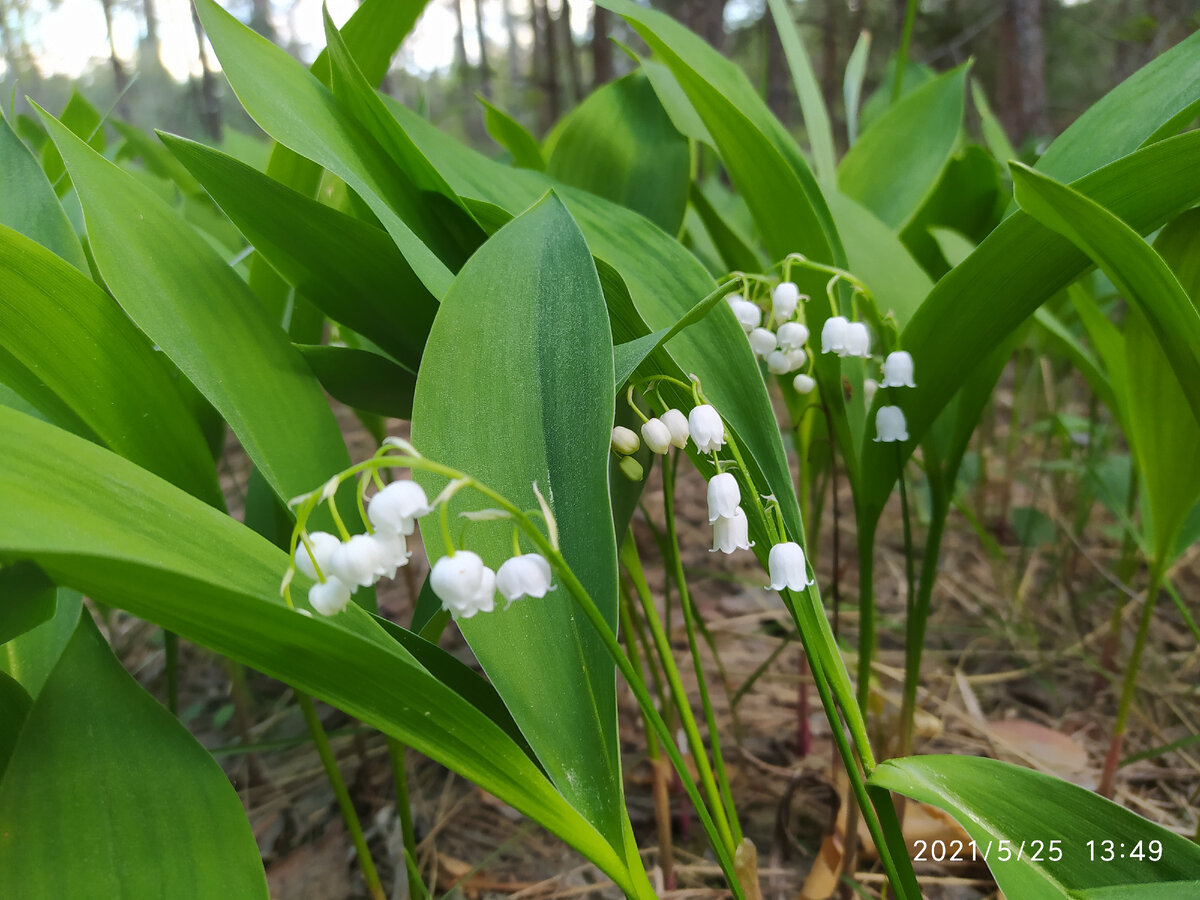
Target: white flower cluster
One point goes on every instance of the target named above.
(466, 586)
(889, 420)
(672, 429)
(783, 348)
(731, 530)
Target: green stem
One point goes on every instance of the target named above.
(345, 804)
(866, 608)
(910, 16)
(397, 752)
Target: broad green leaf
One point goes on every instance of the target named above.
(363, 379)
(28, 203)
(102, 525)
(156, 158)
(1140, 273)
(83, 120)
(15, 704)
(976, 305)
(350, 269)
(620, 144)
(192, 305)
(296, 109)
(737, 251)
(1154, 102)
(852, 82)
(29, 599)
(30, 658)
(996, 802)
(83, 363)
(895, 165)
(675, 102)
(535, 403)
(107, 795)
(808, 92)
(994, 134)
(514, 137)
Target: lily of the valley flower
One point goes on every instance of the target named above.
(396, 508)
(804, 384)
(858, 341)
(833, 335)
(762, 341)
(464, 584)
(748, 314)
(792, 336)
(329, 597)
(625, 440)
(323, 544)
(787, 567)
(784, 300)
(524, 576)
(731, 533)
(870, 386)
(657, 436)
(781, 362)
(677, 424)
(706, 427)
(723, 496)
(394, 550)
(890, 425)
(898, 370)
(359, 562)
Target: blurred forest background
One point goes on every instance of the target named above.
(1040, 62)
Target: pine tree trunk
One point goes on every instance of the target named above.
(574, 78)
(602, 59)
(1023, 71)
(120, 79)
(207, 100)
(485, 72)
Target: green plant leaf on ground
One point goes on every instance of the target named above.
(514, 137)
(996, 802)
(808, 92)
(535, 403)
(84, 121)
(185, 298)
(107, 795)
(29, 596)
(362, 379)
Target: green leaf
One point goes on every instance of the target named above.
(29, 600)
(808, 92)
(362, 379)
(29, 204)
(30, 658)
(192, 305)
(737, 251)
(102, 525)
(995, 802)
(84, 122)
(852, 82)
(105, 789)
(536, 404)
(79, 360)
(348, 268)
(292, 106)
(896, 163)
(510, 134)
(1129, 262)
(619, 144)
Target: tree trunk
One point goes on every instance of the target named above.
(831, 66)
(120, 79)
(485, 73)
(546, 61)
(460, 43)
(150, 49)
(602, 59)
(207, 101)
(574, 78)
(260, 20)
(1023, 72)
(706, 18)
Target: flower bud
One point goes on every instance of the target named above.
(762, 341)
(787, 567)
(631, 468)
(748, 314)
(359, 562)
(858, 341)
(781, 362)
(723, 496)
(792, 336)
(396, 508)
(677, 424)
(463, 583)
(784, 300)
(890, 425)
(731, 533)
(706, 428)
(323, 544)
(833, 335)
(870, 386)
(804, 384)
(625, 440)
(898, 370)
(524, 576)
(329, 597)
(657, 436)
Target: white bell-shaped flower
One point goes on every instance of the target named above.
(464, 584)
(625, 440)
(523, 576)
(782, 362)
(858, 341)
(396, 508)
(731, 533)
(890, 425)
(657, 437)
(394, 550)
(329, 597)
(677, 424)
(723, 496)
(748, 314)
(762, 341)
(706, 428)
(734, 298)
(323, 544)
(898, 370)
(870, 387)
(833, 335)
(787, 567)
(359, 562)
(804, 384)
(792, 336)
(784, 300)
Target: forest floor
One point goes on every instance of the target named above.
(1012, 669)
